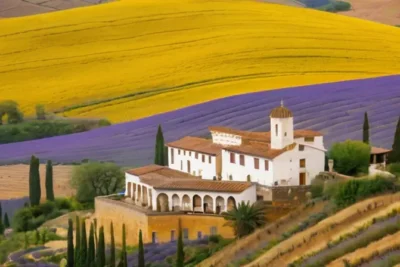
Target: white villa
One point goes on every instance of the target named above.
(212, 175)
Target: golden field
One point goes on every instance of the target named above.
(135, 58)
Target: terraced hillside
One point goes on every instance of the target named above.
(342, 233)
(336, 109)
(134, 58)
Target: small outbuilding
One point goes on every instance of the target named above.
(379, 156)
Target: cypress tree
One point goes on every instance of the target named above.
(49, 181)
(83, 253)
(112, 252)
(70, 246)
(141, 262)
(6, 221)
(159, 149)
(2, 228)
(26, 243)
(123, 257)
(77, 242)
(180, 254)
(101, 250)
(91, 251)
(366, 129)
(394, 155)
(1, 211)
(37, 237)
(34, 181)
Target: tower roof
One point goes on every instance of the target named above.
(281, 112)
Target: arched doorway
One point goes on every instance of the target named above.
(197, 204)
(186, 203)
(162, 203)
(208, 204)
(231, 203)
(175, 203)
(220, 202)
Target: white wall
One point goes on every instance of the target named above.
(249, 194)
(285, 132)
(207, 170)
(239, 172)
(287, 165)
(226, 139)
(318, 142)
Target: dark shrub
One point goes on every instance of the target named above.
(214, 238)
(22, 220)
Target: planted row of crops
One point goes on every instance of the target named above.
(336, 109)
(377, 229)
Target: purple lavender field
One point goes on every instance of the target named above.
(336, 109)
(10, 206)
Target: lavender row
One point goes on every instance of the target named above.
(336, 109)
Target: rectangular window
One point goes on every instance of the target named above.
(203, 158)
(209, 159)
(309, 139)
(185, 233)
(190, 153)
(172, 156)
(181, 165)
(172, 235)
(199, 235)
(154, 237)
(213, 230)
(242, 160)
(179, 151)
(302, 163)
(184, 152)
(266, 165)
(256, 164)
(232, 158)
(196, 155)
(301, 147)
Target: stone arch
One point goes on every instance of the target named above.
(231, 203)
(197, 203)
(162, 202)
(186, 203)
(220, 204)
(208, 204)
(248, 178)
(175, 202)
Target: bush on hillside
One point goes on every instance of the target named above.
(336, 6)
(350, 157)
(317, 188)
(350, 192)
(97, 179)
(394, 168)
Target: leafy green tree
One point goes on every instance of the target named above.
(6, 221)
(70, 245)
(91, 250)
(77, 242)
(83, 246)
(49, 181)
(141, 262)
(101, 250)
(394, 155)
(112, 247)
(180, 254)
(366, 129)
(11, 109)
(350, 157)
(97, 179)
(34, 182)
(40, 112)
(37, 237)
(22, 220)
(245, 218)
(160, 149)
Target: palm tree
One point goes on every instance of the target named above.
(245, 218)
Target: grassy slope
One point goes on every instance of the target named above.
(179, 53)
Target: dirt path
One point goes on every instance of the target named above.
(316, 237)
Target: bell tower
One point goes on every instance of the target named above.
(281, 123)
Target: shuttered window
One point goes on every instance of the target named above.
(256, 164)
(232, 158)
(242, 160)
(266, 165)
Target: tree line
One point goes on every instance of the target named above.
(91, 251)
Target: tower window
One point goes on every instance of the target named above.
(285, 133)
(276, 129)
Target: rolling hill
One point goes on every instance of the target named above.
(336, 109)
(134, 58)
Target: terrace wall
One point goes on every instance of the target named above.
(135, 218)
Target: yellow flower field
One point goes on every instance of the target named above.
(135, 58)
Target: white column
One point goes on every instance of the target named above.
(137, 194)
(126, 188)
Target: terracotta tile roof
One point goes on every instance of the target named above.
(260, 150)
(162, 177)
(197, 144)
(379, 150)
(281, 112)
